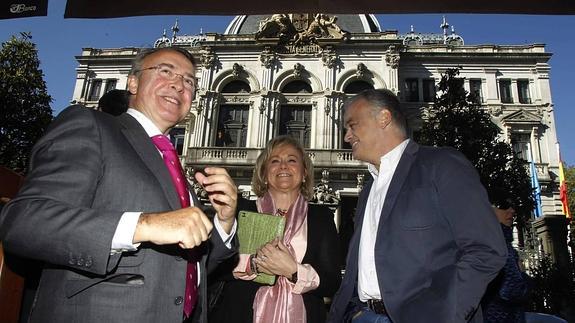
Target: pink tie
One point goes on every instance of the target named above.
(175, 168)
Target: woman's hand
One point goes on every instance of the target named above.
(274, 258)
(243, 269)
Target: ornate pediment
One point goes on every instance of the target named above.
(521, 116)
(300, 29)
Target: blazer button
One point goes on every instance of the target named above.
(80, 261)
(178, 300)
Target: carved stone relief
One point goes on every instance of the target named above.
(360, 181)
(322, 192)
(268, 58)
(298, 70)
(361, 70)
(237, 69)
(392, 57)
(329, 58)
(208, 58)
(300, 29)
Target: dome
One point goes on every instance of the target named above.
(362, 23)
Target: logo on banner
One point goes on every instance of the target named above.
(20, 8)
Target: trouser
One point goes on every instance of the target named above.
(366, 315)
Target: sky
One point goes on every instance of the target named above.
(59, 40)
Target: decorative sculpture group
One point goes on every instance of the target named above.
(281, 26)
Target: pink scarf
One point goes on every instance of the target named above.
(277, 303)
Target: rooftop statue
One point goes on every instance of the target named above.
(276, 26)
(321, 26)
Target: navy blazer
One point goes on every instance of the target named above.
(85, 172)
(438, 242)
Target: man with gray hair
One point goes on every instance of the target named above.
(426, 241)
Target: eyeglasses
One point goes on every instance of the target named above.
(167, 72)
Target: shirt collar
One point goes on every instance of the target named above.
(146, 123)
(391, 158)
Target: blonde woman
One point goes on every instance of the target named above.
(305, 261)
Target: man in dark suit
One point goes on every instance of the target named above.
(100, 207)
(426, 241)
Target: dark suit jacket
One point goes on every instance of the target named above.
(85, 172)
(235, 302)
(438, 242)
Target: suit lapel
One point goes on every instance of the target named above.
(138, 138)
(361, 204)
(399, 177)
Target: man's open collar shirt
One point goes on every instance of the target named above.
(367, 274)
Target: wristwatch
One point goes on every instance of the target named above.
(253, 265)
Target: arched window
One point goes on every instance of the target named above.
(297, 87)
(237, 87)
(295, 120)
(233, 118)
(232, 125)
(357, 86)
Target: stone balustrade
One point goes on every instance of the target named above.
(247, 156)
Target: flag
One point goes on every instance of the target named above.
(536, 190)
(563, 191)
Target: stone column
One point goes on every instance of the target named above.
(328, 127)
(269, 60)
(330, 61)
(208, 102)
(491, 86)
(333, 116)
(392, 60)
(551, 230)
(542, 84)
(268, 112)
(514, 91)
(209, 60)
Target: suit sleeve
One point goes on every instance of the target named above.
(51, 219)
(482, 249)
(219, 252)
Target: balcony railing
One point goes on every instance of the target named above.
(247, 156)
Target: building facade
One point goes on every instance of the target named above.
(290, 73)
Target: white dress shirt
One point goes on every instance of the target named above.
(124, 234)
(367, 287)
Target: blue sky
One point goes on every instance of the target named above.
(59, 40)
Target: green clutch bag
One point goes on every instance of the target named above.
(255, 230)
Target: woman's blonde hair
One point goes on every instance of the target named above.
(259, 183)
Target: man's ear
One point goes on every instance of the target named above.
(133, 84)
(384, 118)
